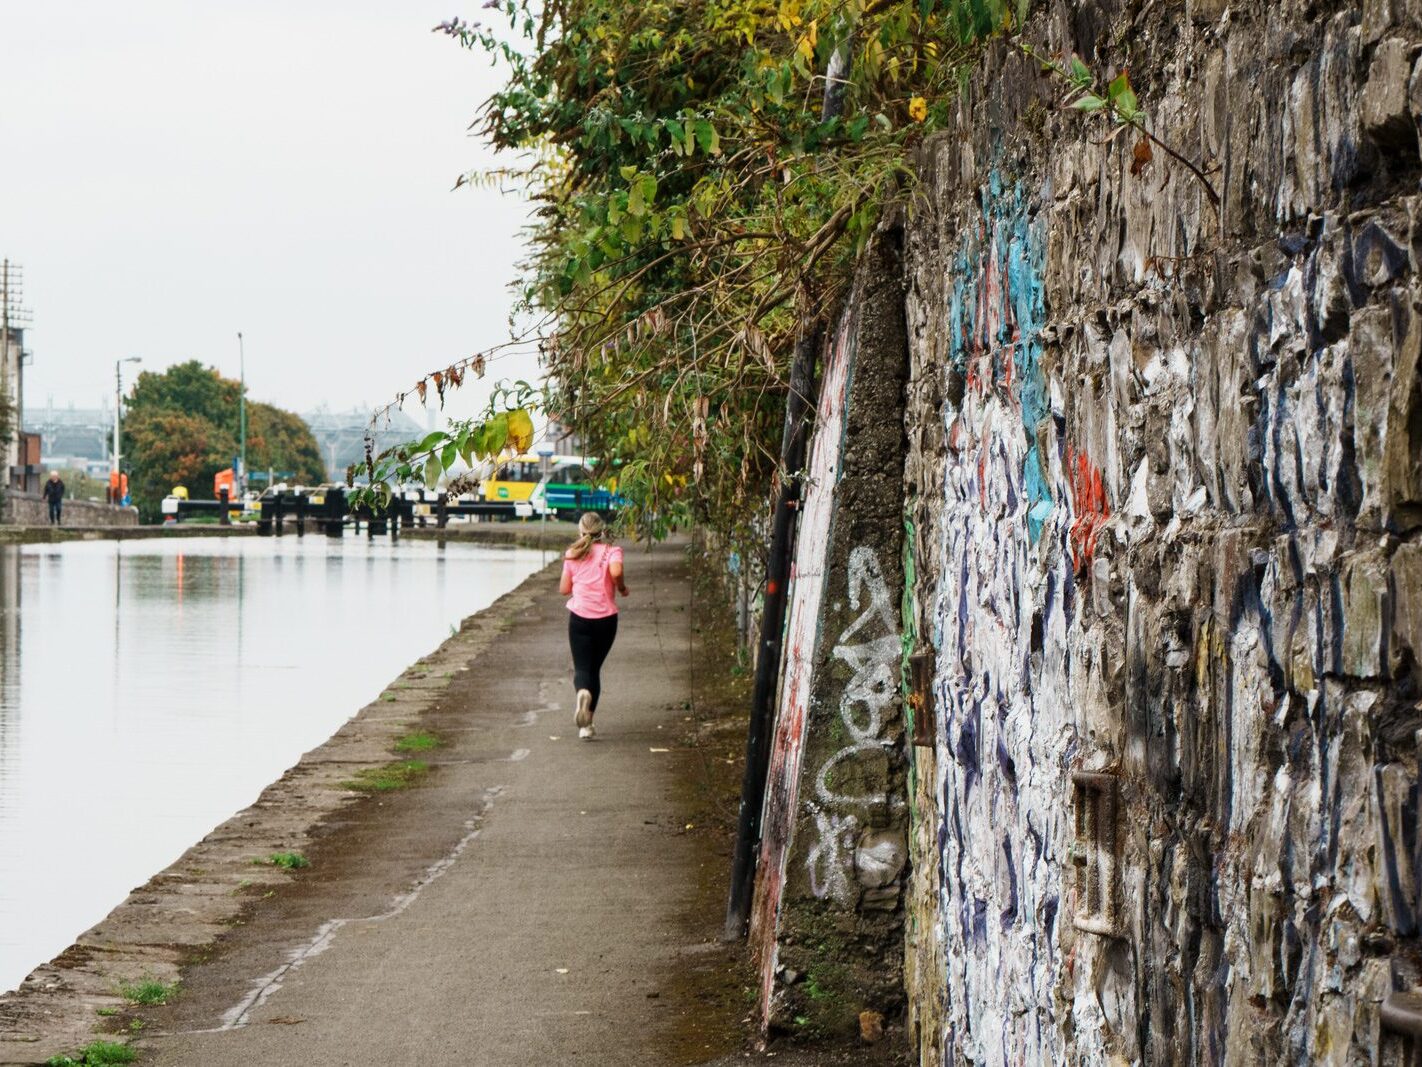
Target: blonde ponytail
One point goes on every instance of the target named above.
(591, 529)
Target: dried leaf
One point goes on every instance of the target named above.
(1141, 156)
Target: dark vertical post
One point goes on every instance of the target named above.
(335, 512)
(798, 407)
(442, 511)
(300, 514)
(224, 517)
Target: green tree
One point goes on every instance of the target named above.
(281, 440)
(183, 426)
(192, 389)
(168, 448)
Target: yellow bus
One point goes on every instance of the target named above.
(515, 478)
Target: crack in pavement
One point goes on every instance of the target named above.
(240, 1014)
(269, 984)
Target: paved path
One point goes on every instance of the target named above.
(529, 905)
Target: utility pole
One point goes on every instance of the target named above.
(242, 418)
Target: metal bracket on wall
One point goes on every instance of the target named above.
(1402, 1017)
(920, 698)
(1094, 852)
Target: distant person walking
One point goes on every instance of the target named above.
(592, 571)
(54, 493)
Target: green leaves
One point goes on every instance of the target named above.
(641, 192)
(1119, 101)
(1123, 98)
(688, 185)
(430, 459)
(495, 436)
(707, 137)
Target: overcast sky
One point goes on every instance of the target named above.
(173, 171)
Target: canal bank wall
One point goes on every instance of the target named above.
(31, 509)
(180, 916)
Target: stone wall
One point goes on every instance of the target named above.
(1165, 493)
(30, 509)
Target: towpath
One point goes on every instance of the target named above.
(538, 900)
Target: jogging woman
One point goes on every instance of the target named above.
(591, 571)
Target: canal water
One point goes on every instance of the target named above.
(150, 689)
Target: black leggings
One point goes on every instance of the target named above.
(591, 641)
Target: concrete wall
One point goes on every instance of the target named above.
(827, 920)
(1164, 492)
(29, 509)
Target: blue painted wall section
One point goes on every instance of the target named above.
(996, 313)
(1003, 515)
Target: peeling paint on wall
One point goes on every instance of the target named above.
(1003, 504)
(808, 576)
(995, 317)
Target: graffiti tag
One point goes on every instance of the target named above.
(870, 646)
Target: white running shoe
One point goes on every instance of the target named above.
(583, 716)
(587, 733)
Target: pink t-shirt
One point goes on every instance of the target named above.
(592, 582)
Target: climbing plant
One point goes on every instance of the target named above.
(703, 174)
(1117, 102)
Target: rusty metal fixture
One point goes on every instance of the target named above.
(1094, 851)
(922, 707)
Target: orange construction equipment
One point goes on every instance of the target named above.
(225, 479)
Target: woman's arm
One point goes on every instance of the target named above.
(616, 571)
(565, 583)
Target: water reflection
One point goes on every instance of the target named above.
(149, 689)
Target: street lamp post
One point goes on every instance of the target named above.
(545, 461)
(242, 419)
(118, 407)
